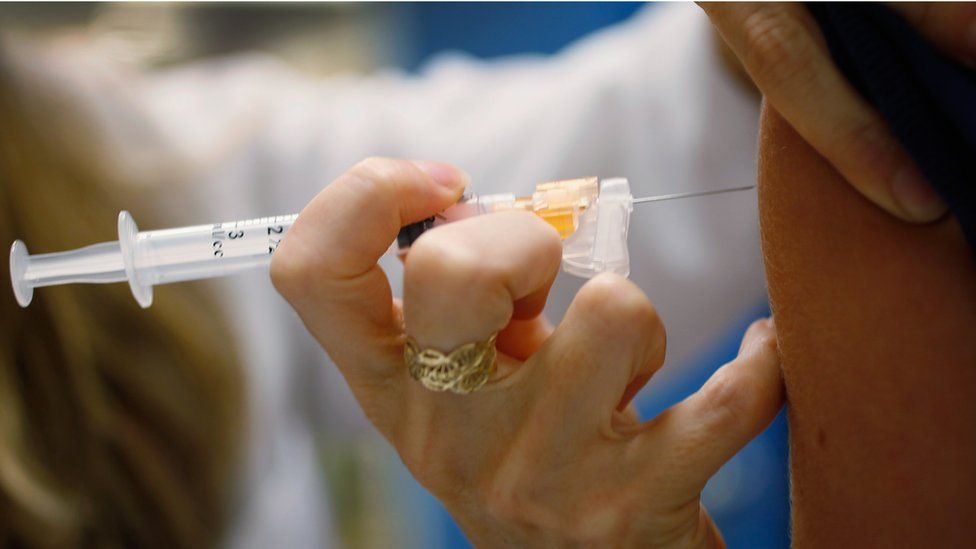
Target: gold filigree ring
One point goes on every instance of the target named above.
(464, 370)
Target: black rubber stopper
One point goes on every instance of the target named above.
(410, 233)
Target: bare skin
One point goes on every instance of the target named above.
(548, 454)
(876, 323)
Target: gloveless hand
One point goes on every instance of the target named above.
(549, 451)
(782, 49)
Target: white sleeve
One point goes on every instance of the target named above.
(510, 123)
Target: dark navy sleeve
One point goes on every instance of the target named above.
(927, 98)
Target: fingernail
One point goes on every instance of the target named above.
(916, 197)
(445, 175)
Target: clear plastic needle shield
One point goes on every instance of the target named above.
(591, 216)
(600, 241)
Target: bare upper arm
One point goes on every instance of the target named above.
(876, 322)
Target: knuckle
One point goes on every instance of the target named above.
(374, 178)
(453, 252)
(377, 168)
(444, 255)
(545, 235)
(731, 405)
(619, 305)
(439, 256)
(541, 238)
(778, 50)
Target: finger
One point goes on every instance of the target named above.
(465, 280)
(611, 341)
(782, 49)
(705, 430)
(950, 26)
(326, 266)
(522, 338)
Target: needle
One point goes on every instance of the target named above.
(662, 197)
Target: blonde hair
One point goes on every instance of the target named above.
(118, 426)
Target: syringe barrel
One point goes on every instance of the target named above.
(206, 251)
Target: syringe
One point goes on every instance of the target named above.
(593, 220)
(148, 258)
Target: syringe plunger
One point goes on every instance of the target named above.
(98, 263)
(147, 258)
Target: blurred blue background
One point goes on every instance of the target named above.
(487, 30)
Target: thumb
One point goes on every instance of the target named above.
(709, 427)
